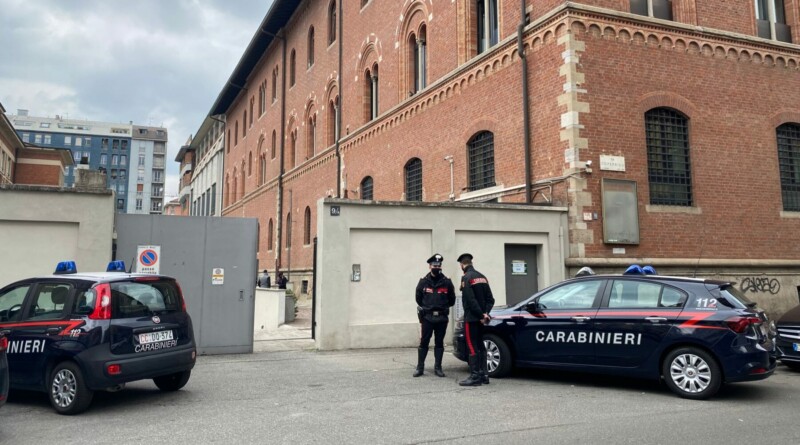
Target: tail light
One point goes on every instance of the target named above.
(180, 293)
(740, 324)
(102, 302)
(3, 344)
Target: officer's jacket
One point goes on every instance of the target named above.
(435, 295)
(476, 295)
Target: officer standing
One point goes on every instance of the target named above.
(477, 300)
(435, 294)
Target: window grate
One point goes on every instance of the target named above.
(366, 188)
(481, 161)
(789, 162)
(414, 180)
(668, 157)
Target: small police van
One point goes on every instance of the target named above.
(71, 334)
(693, 333)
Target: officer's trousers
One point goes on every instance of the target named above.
(429, 328)
(473, 331)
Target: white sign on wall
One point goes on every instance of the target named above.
(218, 276)
(612, 163)
(148, 259)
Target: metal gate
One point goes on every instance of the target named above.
(192, 248)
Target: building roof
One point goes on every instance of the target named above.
(277, 17)
(182, 152)
(64, 154)
(59, 124)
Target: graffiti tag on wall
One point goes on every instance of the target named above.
(760, 285)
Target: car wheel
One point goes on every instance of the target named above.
(794, 366)
(67, 390)
(172, 382)
(498, 356)
(692, 373)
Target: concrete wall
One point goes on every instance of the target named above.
(392, 241)
(40, 226)
(270, 309)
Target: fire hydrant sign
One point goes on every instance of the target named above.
(148, 259)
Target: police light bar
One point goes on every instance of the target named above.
(634, 269)
(116, 266)
(649, 270)
(66, 267)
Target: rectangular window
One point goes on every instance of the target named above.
(26, 137)
(103, 159)
(48, 139)
(87, 141)
(620, 212)
(141, 159)
(789, 164)
(37, 138)
(660, 9)
(123, 160)
(122, 175)
(67, 140)
(76, 156)
(120, 204)
(44, 125)
(104, 143)
(78, 142)
(138, 204)
(213, 198)
(771, 20)
(114, 159)
(86, 155)
(115, 144)
(124, 145)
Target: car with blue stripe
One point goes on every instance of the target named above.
(695, 334)
(71, 334)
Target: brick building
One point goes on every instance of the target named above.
(670, 129)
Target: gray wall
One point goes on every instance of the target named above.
(40, 226)
(190, 248)
(392, 241)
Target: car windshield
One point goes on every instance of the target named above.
(135, 299)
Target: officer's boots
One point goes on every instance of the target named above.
(437, 367)
(421, 354)
(484, 365)
(474, 378)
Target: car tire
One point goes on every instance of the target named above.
(172, 382)
(498, 356)
(67, 389)
(692, 373)
(794, 366)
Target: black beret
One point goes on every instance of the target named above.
(436, 260)
(464, 257)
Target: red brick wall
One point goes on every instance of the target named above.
(34, 174)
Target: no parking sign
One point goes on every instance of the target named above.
(148, 259)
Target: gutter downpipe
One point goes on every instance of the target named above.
(283, 149)
(339, 109)
(526, 118)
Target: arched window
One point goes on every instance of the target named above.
(668, 166)
(480, 155)
(236, 134)
(244, 123)
(275, 84)
(417, 63)
(252, 104)
(312, 137)
(310, 47)
(234, 195)
(243, 179)
(292, 60)
(487, 24)
(262, 98)
(371, 92)
(250, 163)
(269, 235)
(332, 22)
(262, 178)
(413, 173)
(227, 190)
(307, 226)
(333, 126)
(366, 188)
(228, 148)
(789, 163)
(274, 144)
(289, 229)
(293, 150)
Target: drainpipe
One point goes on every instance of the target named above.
(526, 118)
(283, 170)
(339, 108)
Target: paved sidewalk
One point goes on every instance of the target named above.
(292, 336)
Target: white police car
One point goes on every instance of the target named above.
(71, 334)
(695, 334)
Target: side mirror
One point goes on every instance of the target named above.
(533, 307)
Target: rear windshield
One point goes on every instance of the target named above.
(136, 299)
(735, 297)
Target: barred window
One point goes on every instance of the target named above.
(366, 188)
(789, 162)
(414, 180)
(480, 153)
(668, 164)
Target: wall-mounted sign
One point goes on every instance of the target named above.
(519, 267)
(336, 211)
(148, 259)
(612, 163)
(218, 276)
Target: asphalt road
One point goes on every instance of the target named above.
(370, 397)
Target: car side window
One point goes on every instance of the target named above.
(84, 302)
(11, 302)
(48, 301)
(578, 295)
(634, 294)
(672, 298)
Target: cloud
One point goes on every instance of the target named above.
(153, 62)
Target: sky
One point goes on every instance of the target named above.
(153, 62)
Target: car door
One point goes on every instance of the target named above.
(12, 303)
(633, 320)
(42, 323)
(557, 328)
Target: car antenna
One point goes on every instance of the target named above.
(130, 268)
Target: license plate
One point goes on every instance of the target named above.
(796, 346)
(152, 337)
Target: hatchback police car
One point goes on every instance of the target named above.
(3, 370)
(789, 339)
(71, 334)
(693, 333)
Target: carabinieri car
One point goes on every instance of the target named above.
(693, 333)
(71, 334)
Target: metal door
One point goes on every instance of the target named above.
(522, 277)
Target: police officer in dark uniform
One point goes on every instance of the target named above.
(477, 299)
(435, 294)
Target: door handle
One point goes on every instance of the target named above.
(53, 331)
(655, 319)
(5, 332)
(581, 319)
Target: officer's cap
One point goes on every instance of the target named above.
(464, 257)
(436, 260)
